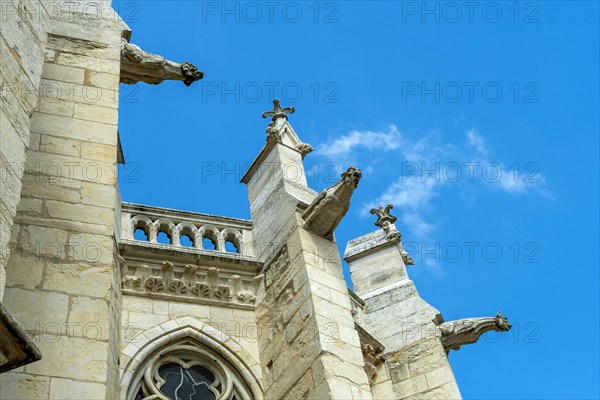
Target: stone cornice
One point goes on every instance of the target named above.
(368, 244)
(153, 252)
(192, 283)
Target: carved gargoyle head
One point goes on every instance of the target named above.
(502, 323)
(167, 266)
(352, 176)
(190, 269)
(191, 73)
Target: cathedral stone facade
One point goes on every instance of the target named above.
(92, 306)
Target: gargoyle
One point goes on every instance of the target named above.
(304, 149)
(326, 211)
(468, 330)
(407, 258)
(138, 65)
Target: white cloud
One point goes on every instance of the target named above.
(413, 193)
(343, 146)
(519, 179)
(476, 141)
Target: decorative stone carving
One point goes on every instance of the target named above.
(273, 134)
(173, 281)
(138, 65)
(247, 295)
(154, 284)
(278, 112)
(386, 221)
(138, 279)
(326, 211)
(407, 258)
(304, 149)
(466, 331)
(276, 131)
(384, 218)
(373, 359)
(190, 274)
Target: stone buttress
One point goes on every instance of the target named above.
(309, 347)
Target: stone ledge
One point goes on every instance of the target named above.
(16, 348)
(367, 244)
(227, 261)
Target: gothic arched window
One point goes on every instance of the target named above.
(187, 371)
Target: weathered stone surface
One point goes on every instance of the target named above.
(377, 270)
(63, 356)
(21, 386)
(78, 212)
(25, 272)
(89, 317)
(30, 206)
(56, 145)
(63, 73)
(69, 128)
(97, 151)
(31, 70)
(92, 112)
(70, 389)
(76, 278)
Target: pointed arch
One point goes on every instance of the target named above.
(188, 332)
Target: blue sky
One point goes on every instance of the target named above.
(481, 126)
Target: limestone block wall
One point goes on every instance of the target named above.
(416, 362)
(23, 39)
(140, 314)
(62, 284)
(312, 349)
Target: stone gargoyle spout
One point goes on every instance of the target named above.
(138, 65)
(468, 330)
(326, 211)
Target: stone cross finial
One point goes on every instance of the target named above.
(278, 112)
(384, 218)
(386, 222)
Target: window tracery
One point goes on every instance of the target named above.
(187, 371)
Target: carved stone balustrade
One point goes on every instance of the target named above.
(197, 227)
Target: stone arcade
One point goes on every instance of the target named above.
(153, 321)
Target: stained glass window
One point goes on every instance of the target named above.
(184, 371)
(186, 384)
